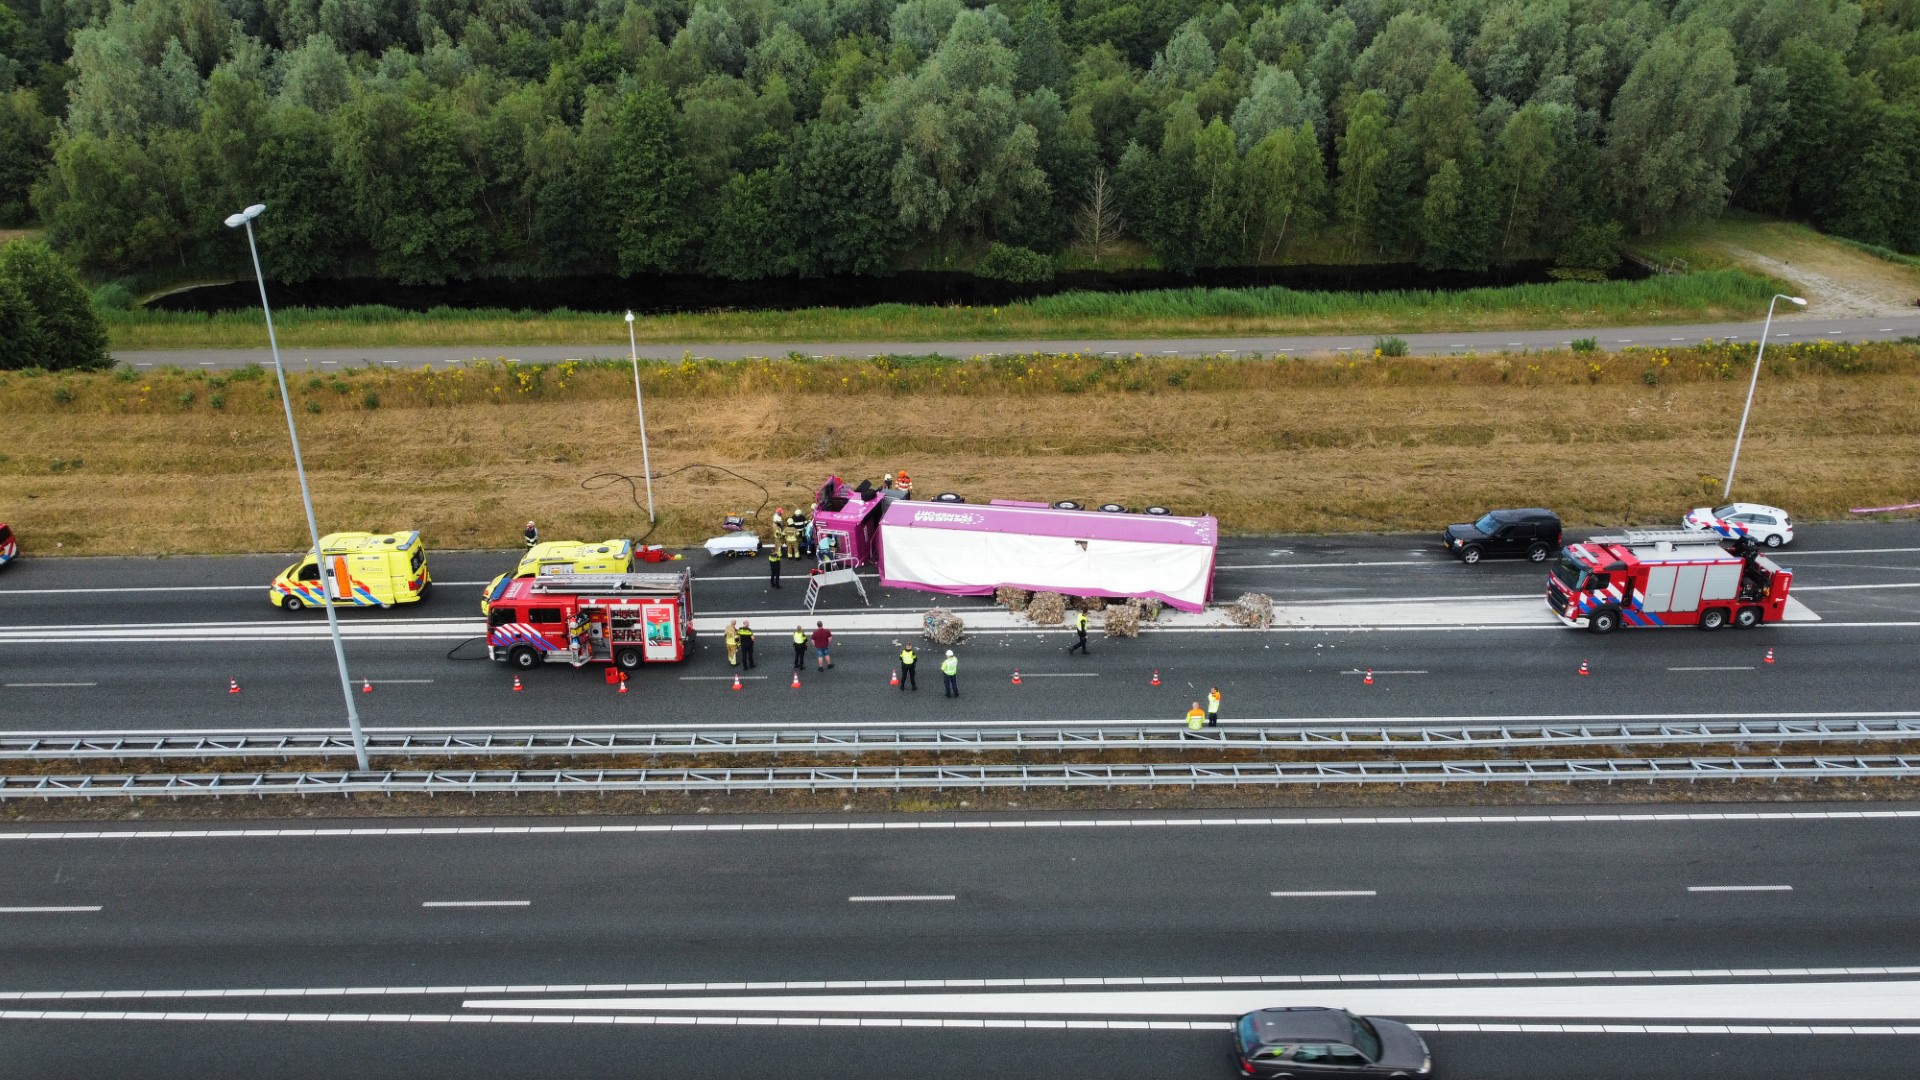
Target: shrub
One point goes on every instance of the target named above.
(1585, 344)
(371, 400)
(63, 394)
(1389, 346)
(186, 399)
(313, 407)
(1022, 266)
(1590, 255)
(216, 401)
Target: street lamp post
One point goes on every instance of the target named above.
(245, 219)
(633, 348)
(1727, 491)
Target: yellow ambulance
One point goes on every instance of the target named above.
(564, 557)
(356, 569)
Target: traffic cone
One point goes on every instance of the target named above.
(623, 682)
(233, 686)
(366, 686)
(736, 680)
(1016, 676)
(1769, 656)
(1583, 667)
(1156, 678)
(516, 684)
(1368, 681)
(796, 680)
(895, 679)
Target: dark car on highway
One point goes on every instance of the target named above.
(1310, 1041)
(1505, 534)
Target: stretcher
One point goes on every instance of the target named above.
(733, 545)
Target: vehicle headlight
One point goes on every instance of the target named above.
(1426, 1063)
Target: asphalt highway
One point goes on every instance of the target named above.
(1786, 328)
(149, 644)
(1741, 942)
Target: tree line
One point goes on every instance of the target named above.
(429, 140)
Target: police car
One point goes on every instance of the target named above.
(1767, 524)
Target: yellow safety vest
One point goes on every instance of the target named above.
(907, 657)
(799, 637)
(950, 666)
(1213, 702)
(1195, 719)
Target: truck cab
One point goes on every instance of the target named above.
(356, 569)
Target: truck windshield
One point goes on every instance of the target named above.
(1568, 571)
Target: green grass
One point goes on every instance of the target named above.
(1705, 296)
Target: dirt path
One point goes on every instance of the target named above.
(1839, 281)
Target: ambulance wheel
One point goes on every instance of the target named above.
(1470, 554)
(628, 659)
(1538, 553)
(524, 658)
(1713, 618)
(1747, 618)
(1603, 621)
(291, 603)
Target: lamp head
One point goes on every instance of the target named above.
(629, 317)
(1801, 301)
(234, 221)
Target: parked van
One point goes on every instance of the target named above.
(564, 557)
(356, 569)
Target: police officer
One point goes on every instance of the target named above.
(908, 658)
(799, 646)
(773, 560)
(950, 674)
(745, 634)
(1080, 628)
(532, 534)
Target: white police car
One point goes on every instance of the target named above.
(1767, 524)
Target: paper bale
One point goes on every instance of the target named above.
(944, 627)
(1252, 609)
(1047, 609)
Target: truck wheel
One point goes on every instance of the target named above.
(628, 659)
(1747, 618)
(1537, 553)
(1603, 621)
(1470, 554)
(1713, 618)
(291, 603)
(524, 658)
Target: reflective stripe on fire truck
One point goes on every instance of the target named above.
(509, 634)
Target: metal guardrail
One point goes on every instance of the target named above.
(859, 740)
(941, 777)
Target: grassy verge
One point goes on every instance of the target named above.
(183, 462)
(1707, 296)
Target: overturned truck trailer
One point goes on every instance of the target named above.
(968, 549)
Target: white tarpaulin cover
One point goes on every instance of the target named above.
(970, 550)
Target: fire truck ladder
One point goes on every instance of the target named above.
(612, 584)
(1657, 536)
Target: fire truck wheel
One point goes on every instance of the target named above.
(524, 658)
(1747, 618)
(1713, 618)
(628, 659)
(1603, 621)
(1538, 553)
(1470, 554)
(291, 603)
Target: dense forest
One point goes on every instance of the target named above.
(429, 140)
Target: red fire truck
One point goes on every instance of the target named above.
(622, 619)
(1666, 577)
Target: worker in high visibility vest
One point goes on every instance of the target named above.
(1213, 707)
(908, 658)
(773, 560)
(799, 646)
(1195, 718)
(792, 539)
(950, 674)
(1080, 629)
(903, 485)
(733, 643)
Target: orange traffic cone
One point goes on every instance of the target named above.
(366, 686)
(796, 680)
(736, 680)
(1368, 681)
(1583, 667)
(1769, 656)
(1156, 678)
(623, 682)
(233, 686)
(516, 684)
(894, 680)
(1016, 676)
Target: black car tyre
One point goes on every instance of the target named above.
(1538, 553)
(1774, 541)
(291, 603)
(1603, 621)
(1470, 554)
(1747, 618)
(524, 658)
(628, 659)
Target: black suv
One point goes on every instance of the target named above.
(1533, 533)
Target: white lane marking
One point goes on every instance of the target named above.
(1734, 667)
(1061, 675)
(896, 899)
(27, 685)
(1383, 671)
(1844, 588)
(993, 823)
(751, 725)
(475, 903)
(399, 682)
(718, 678)
(1424, 978)
(47, 910)
(1329, 892)
(1739, 888)
(1329, 566)
(923, 1022)
(195, 588)
(1844, 1001)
